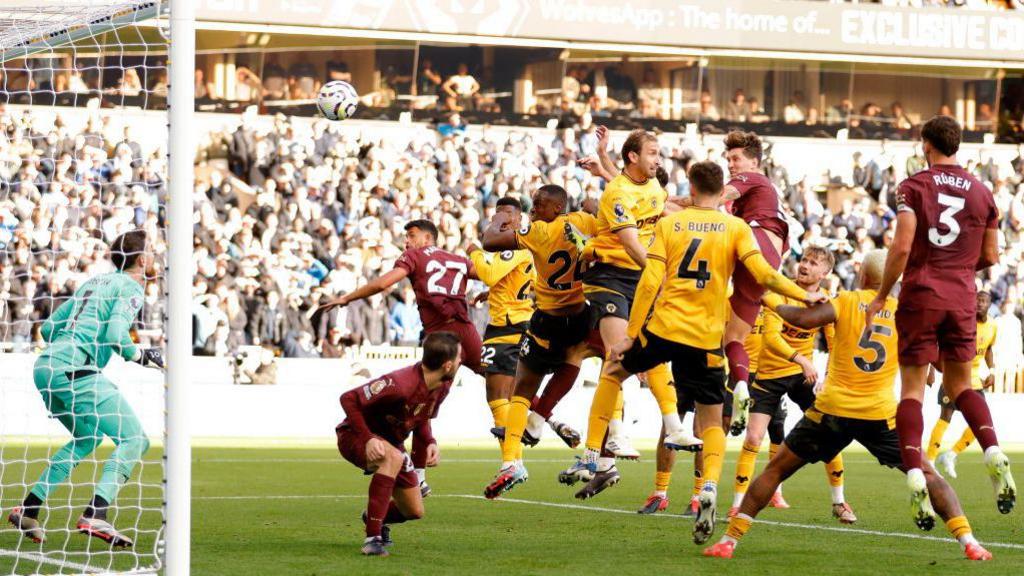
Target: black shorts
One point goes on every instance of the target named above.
(500, 354)
(767, 394)
(609, 291)
(550, 337)
(821, 437)
(945, 401)
(696, 375)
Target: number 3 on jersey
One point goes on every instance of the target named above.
(701, 274)
(437, 271)
(951, 205)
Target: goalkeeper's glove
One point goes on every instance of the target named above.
(149, 357)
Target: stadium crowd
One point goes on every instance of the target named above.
(292, 220)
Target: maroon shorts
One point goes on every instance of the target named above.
(927, 335)
(469, 338)
(353, 449)
(746, 292)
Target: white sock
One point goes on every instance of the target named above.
(614, 427)
(727, 538)
(519, 463)
(507, 464)
(421, 473)
(535, 424)
(605, 464)
(966, 539)
(672, 423)
(661, 493)
(991, 451)
(837, 495)
(779, 490)
(737, 499)
(591, 455)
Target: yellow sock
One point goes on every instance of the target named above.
(745, 468)
(835, 471)
(606, 399)
(512, 447)
(965, 440)
(738, 526)
(662, 480)
(659, 380)
(714, 453)
(935, 441)
(499, 410)
(958, 526)
(698, 482)
(773, 449)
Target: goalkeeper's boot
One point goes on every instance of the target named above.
(424, 489)
(30, 527)
(683, 440)
(385, 532)
(505, 480)
(568, 435)
(621, 448)
(975, 551)
(1002, 480)
(581, 470)
(99, 528)
(498, 432)
(741, 404)
(704, 526)
(843, 513)
(602, 479)
(722, 549)
(947, 463)
(374, 546)
(692, 508)
(655, 503)
(920, 506)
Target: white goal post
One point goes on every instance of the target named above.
(96, 106)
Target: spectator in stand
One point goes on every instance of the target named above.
(248, 87)
(651, 96)
(275, 81)
(461, 89)
(985, 118)
(302, 80)
(738, 109)
(404, 325)
(708, 112)
(840, 113)
(757, 113)
(898, 117)
(428, 81)
(338, 70)
(793, 113)
(130, 84)
(204, 88)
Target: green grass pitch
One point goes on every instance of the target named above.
(260, 511)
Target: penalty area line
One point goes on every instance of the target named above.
(39, 558)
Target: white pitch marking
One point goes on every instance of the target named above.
(33, 557)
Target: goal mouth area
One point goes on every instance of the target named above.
(29, 27)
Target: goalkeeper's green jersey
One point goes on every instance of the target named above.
(94, 324)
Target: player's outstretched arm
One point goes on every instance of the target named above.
(57, 321)
(771, 279)
(378, 284)
(895, 262)
(821, 314)
(500, 234)
(492, 272)
(731, 193)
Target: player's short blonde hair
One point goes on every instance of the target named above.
(873, 266)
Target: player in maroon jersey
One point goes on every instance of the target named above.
(379, 416)
(439, 280)
(946, 230)
(753, 199)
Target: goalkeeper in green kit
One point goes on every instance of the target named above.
(83, 334)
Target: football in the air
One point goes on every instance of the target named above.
(337, 100)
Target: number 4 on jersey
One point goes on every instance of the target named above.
(701, 274)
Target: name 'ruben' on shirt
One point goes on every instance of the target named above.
(943, 179)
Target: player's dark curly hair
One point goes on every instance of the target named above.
(424, 225)
(438, 348)
(555, 192)
(127, 248)
(943, 133)
(510, 201)
(706, 177)
(635, 143)
(750, 142)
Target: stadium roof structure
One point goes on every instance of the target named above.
(31, 26)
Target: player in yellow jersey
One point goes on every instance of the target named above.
(986, 337)
(556, 341)
(680, 311)
(509, 277)
(857, 403)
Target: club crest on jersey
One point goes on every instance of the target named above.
(374, 388)
(525, 229)
(620, 213)
(611, 307)
(134, 303)
(507, 255)
(654, 202)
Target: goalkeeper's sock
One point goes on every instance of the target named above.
(394, 515)
(97, 508)
(381, 487)
(30, 507)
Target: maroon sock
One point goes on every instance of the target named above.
(975, 410)
(556, 389)
(381, 487)
(419, 451)
(394, 515)
(605, 452)
(739, 362)
(909, 426)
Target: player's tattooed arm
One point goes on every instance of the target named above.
(731, 193)
(821, 314)
(500, 234)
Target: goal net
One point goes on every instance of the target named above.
(83, 159)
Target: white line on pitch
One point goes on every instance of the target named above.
(32, 556)
(495, 460)
(616, 511)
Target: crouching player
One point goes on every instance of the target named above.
(857, 403)
(379, 417)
